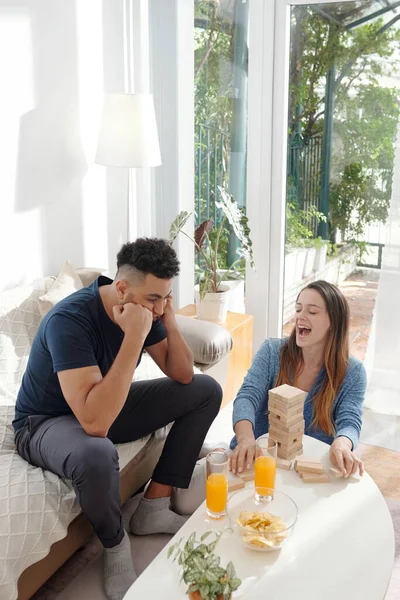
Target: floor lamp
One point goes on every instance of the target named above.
(128, 136)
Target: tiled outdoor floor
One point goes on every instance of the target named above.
(360, 290)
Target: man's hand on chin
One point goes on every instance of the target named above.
(168, 318)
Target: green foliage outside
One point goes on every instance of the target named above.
(365, 113)
(214, 39)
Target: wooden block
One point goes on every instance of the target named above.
(315, 477)
(335, 472)
(247, 475)
(291, 455)
(278, 409)
(278, 405)
(284, 421)
(278, 425)
(284, 439)
(303, 466)
(288, 452)
(284, 464)
(286, 442)
(288, 394)
(288, 448)
(235, 483)
(288, 420)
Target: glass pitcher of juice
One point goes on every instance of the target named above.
(217, 468)
(265, 468)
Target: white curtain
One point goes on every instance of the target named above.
(383, 357)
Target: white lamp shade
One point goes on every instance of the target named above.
(128, 132)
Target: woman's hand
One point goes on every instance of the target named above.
(344, 459)
(243, 455)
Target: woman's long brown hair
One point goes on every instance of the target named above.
(336, 355)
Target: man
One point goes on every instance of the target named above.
(77, 398)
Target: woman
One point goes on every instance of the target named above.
(315, 359)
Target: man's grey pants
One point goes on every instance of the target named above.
(60, 445)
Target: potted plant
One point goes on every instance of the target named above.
(201, 569)
(212, 294)
(300, 248)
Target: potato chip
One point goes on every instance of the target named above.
(262, 524)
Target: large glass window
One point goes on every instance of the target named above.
(221, 52)
(343, 117)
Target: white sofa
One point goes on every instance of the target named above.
(40, 521)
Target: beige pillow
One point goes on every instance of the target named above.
(208, 341)
(87, 275)
(67, 282)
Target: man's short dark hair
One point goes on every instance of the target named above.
(152, 256)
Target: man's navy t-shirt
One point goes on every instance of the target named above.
(76, 332)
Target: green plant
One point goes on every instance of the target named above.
(201, 569)
(207, 240)
(298, 233)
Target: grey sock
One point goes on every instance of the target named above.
(154, 516)
(118, 571)
(186, 501)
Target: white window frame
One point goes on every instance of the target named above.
(171, 26)
(269, 48)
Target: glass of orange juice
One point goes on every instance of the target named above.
(265, 468)
(217, 468)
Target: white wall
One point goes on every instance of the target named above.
(56, 59)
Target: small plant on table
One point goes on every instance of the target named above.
(201, 569)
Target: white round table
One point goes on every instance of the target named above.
(341, 548)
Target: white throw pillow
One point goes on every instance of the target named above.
(67, 282)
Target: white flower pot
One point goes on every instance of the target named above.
(236, 297)
(309, 262)
(320, 257)
(294, 266)
(213, 307)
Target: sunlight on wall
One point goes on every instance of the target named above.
(20, 246)
(90, 78)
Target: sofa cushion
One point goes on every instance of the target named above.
(19, 321)
(87, 275)
(67, 282)
(208, 341)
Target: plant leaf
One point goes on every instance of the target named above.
(230, 570)
(235, 583)
(205, 535)
(239, 222)
(177, 225)
(202, 231)
(192, 588)
(204, 590)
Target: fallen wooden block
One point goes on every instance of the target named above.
(235, 483)
(247, 475)
(284, 464)
(315, 477)
(304, 466)
(334, 472)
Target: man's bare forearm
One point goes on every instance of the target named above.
(179, 358)
(105, 400)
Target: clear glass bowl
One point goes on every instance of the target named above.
(280, 506)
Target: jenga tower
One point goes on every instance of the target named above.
(286, 419)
